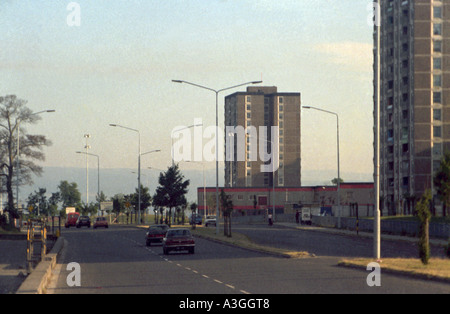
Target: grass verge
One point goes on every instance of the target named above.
(241, 240)
(437, 268)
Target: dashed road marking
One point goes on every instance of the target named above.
(188, 268)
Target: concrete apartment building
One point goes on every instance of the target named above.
(415, 98)
(258, 107)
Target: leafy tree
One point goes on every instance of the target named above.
(53, 203)
(227, 209)
(146, 199)
(39, 202)
(335, 181)
(118, 204)
(70, 196)
(14, 116)
(193, 209)
(171, 190)
(442, 182)
(424, 214)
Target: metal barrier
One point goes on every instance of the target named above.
(36, 236)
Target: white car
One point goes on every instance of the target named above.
(210, 220)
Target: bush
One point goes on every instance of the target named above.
(424, 214)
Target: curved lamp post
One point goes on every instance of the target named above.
(216, 91)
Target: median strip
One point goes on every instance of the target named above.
(438, 269)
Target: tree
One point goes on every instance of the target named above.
(424, 214)
(441, 182)
(227, 209)
(146, 199)
(14, 115)
(53, 203)
(193, 209)
(171, 190)
(38, 201)
(70, 196)
(335, 181)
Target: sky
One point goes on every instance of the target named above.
(117, 66)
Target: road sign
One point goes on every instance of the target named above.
(108, 206)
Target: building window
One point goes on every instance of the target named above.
(249, 98)
(437, 149)
(437, 80)
(437, 12)
(437, 114)
(437, 131)
(437, 46)
(437, 97)
(437, 63)
(437, 29)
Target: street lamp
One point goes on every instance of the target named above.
(217, 133)
(98, 176)
(18, 150)
(139, 165)
(376, 235)
(338, 160)
(178, 130)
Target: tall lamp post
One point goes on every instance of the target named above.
(178, 130)
(217, 133)
(152, 151)
(376, 238)
(98, 175)
(18, 150)
(139, 165)
(338, 161)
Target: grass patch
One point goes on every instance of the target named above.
(437, 268)
(8, 230)
(241, 240)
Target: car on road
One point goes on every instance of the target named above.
(100, 222)
(71, 220)
(156, 234)
(178, 240)
(83, 221)
(210, 220)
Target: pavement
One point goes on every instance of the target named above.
(13, 271)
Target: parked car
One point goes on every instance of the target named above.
(83, 221)
(71, 220)
(100, 222)
(196, 219)
(210, 220)
(156, 234)
(178, 240)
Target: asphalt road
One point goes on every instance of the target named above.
(331, 245)
(116, 260)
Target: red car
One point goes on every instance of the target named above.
(156, 234)
(72, 219)
(178, 240)
(100, 222)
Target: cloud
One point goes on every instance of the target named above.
(355, 56)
